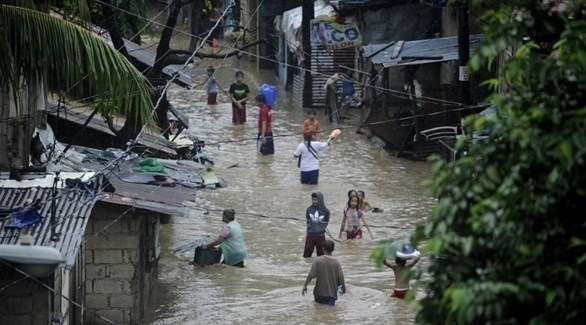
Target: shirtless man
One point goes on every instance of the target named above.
(401, 268)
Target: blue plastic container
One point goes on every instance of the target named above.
(270, 93)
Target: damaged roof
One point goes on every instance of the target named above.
(425, 51)
(140, 189)
(80, 115)
(73, 207)
(131, 190)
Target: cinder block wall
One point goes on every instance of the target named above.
(22, 301)
(118, 280)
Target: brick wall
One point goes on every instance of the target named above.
(117, 244)
(22, 301)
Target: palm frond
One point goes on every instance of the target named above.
(71, 59)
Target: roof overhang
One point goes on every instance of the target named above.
(400, 53)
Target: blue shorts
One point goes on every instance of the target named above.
(310, 177)
(330, 301)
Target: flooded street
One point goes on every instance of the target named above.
(270, 205)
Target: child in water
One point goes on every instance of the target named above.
(364, 205)
(351, 220)
(401, 269)
(213, 86)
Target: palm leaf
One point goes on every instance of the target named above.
(69, 58)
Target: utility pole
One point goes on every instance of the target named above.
(463, 51)
(307, 15)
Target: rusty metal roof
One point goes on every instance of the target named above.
(425, 51)
(73, 208)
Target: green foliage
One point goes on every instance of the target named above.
(507, 239)
(44, 48)
(130, 16)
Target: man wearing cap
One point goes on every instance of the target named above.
(231, 241)
(311, 125)
(308, 161)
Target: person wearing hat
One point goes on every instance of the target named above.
(311, 125)
(308, 161)
(231, 241)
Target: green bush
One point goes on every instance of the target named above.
(506, 241)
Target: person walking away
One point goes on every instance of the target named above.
(308, 161)
(231, 241)
(401, 270)
(265, 143)
(328, 275)
(212, 86)
(351, 220)
(239, 95)
(311, 125)
(317, 216)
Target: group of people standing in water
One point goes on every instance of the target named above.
(325, 268)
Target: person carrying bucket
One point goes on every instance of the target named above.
(266, 145)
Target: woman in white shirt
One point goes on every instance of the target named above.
(307, 153)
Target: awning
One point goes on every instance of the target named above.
(425, 51)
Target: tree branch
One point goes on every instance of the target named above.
(180, 56)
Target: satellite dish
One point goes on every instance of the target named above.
(37, 261)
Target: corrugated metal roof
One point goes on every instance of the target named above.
(164, 199)
(417, 52)
(80, 115)
(131, 188)
(73, 211)
(147, 57)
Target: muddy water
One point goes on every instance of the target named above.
(270, 205)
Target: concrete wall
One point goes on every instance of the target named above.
(121, 266)
(22, 301)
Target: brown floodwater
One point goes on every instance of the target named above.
(270, 205)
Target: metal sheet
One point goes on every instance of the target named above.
(426, 51)
(73, 211)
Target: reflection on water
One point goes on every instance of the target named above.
(270, 205)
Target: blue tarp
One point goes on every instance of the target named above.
(24, 217)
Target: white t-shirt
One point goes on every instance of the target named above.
(308, 161)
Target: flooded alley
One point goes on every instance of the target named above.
(270, 205)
